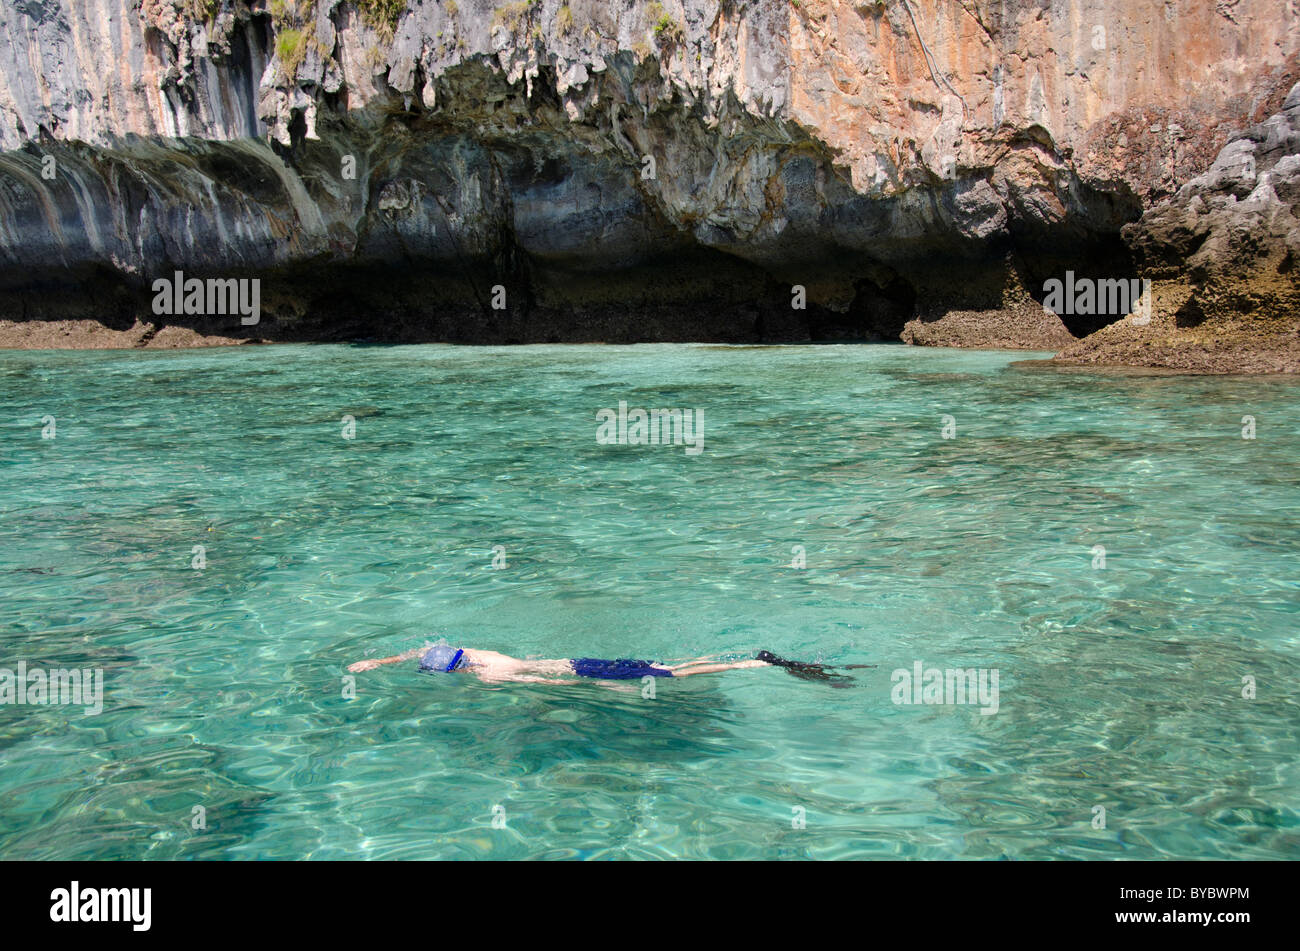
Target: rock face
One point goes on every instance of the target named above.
(586, 170)
(1221, 256)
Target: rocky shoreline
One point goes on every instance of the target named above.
(1220, 258)
(690, 170)
(89, 334)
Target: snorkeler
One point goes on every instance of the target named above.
(491, 667)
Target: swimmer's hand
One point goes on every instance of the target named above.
(361, 665)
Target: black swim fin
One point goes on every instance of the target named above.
(794, 668)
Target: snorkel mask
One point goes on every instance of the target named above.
(442, 659)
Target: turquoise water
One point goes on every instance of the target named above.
(1120, 686)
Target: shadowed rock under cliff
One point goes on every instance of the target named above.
(651, 172)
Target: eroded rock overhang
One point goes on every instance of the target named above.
(622, 172)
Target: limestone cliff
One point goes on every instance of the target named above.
(622, 170)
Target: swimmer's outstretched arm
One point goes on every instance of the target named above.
(395, 659)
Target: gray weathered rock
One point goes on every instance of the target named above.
(1222, 257)
(899, 160)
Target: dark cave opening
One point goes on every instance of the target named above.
(1093, 280)
(880, 311)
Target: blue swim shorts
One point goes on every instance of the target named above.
(621, 669)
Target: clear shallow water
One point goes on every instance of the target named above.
(1119, 686)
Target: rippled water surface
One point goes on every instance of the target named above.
(1119, 686)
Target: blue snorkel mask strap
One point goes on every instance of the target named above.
(455, 661)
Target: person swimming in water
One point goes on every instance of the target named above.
(492, 667)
